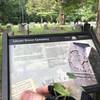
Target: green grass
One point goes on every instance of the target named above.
(51, 29)
(39, 29)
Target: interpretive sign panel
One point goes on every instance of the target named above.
(38, 60)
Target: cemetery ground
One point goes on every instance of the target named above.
(37, 28)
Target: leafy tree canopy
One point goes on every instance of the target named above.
(14, 10)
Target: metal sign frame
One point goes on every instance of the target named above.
(69, 37)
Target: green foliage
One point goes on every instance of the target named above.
(3, 13)
(16, 11)
(86, 13)
(71, 75)
(61, 89)
(81, 10)
(29, 7)
(43, 8)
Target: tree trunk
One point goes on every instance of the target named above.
(51, 18)
(61, 18)
(98, 37)
(98, 23)
(41, 19)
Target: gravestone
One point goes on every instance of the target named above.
(78, 26)
(23, 28)
(87, 27)
(9, 29)
(45, 25)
